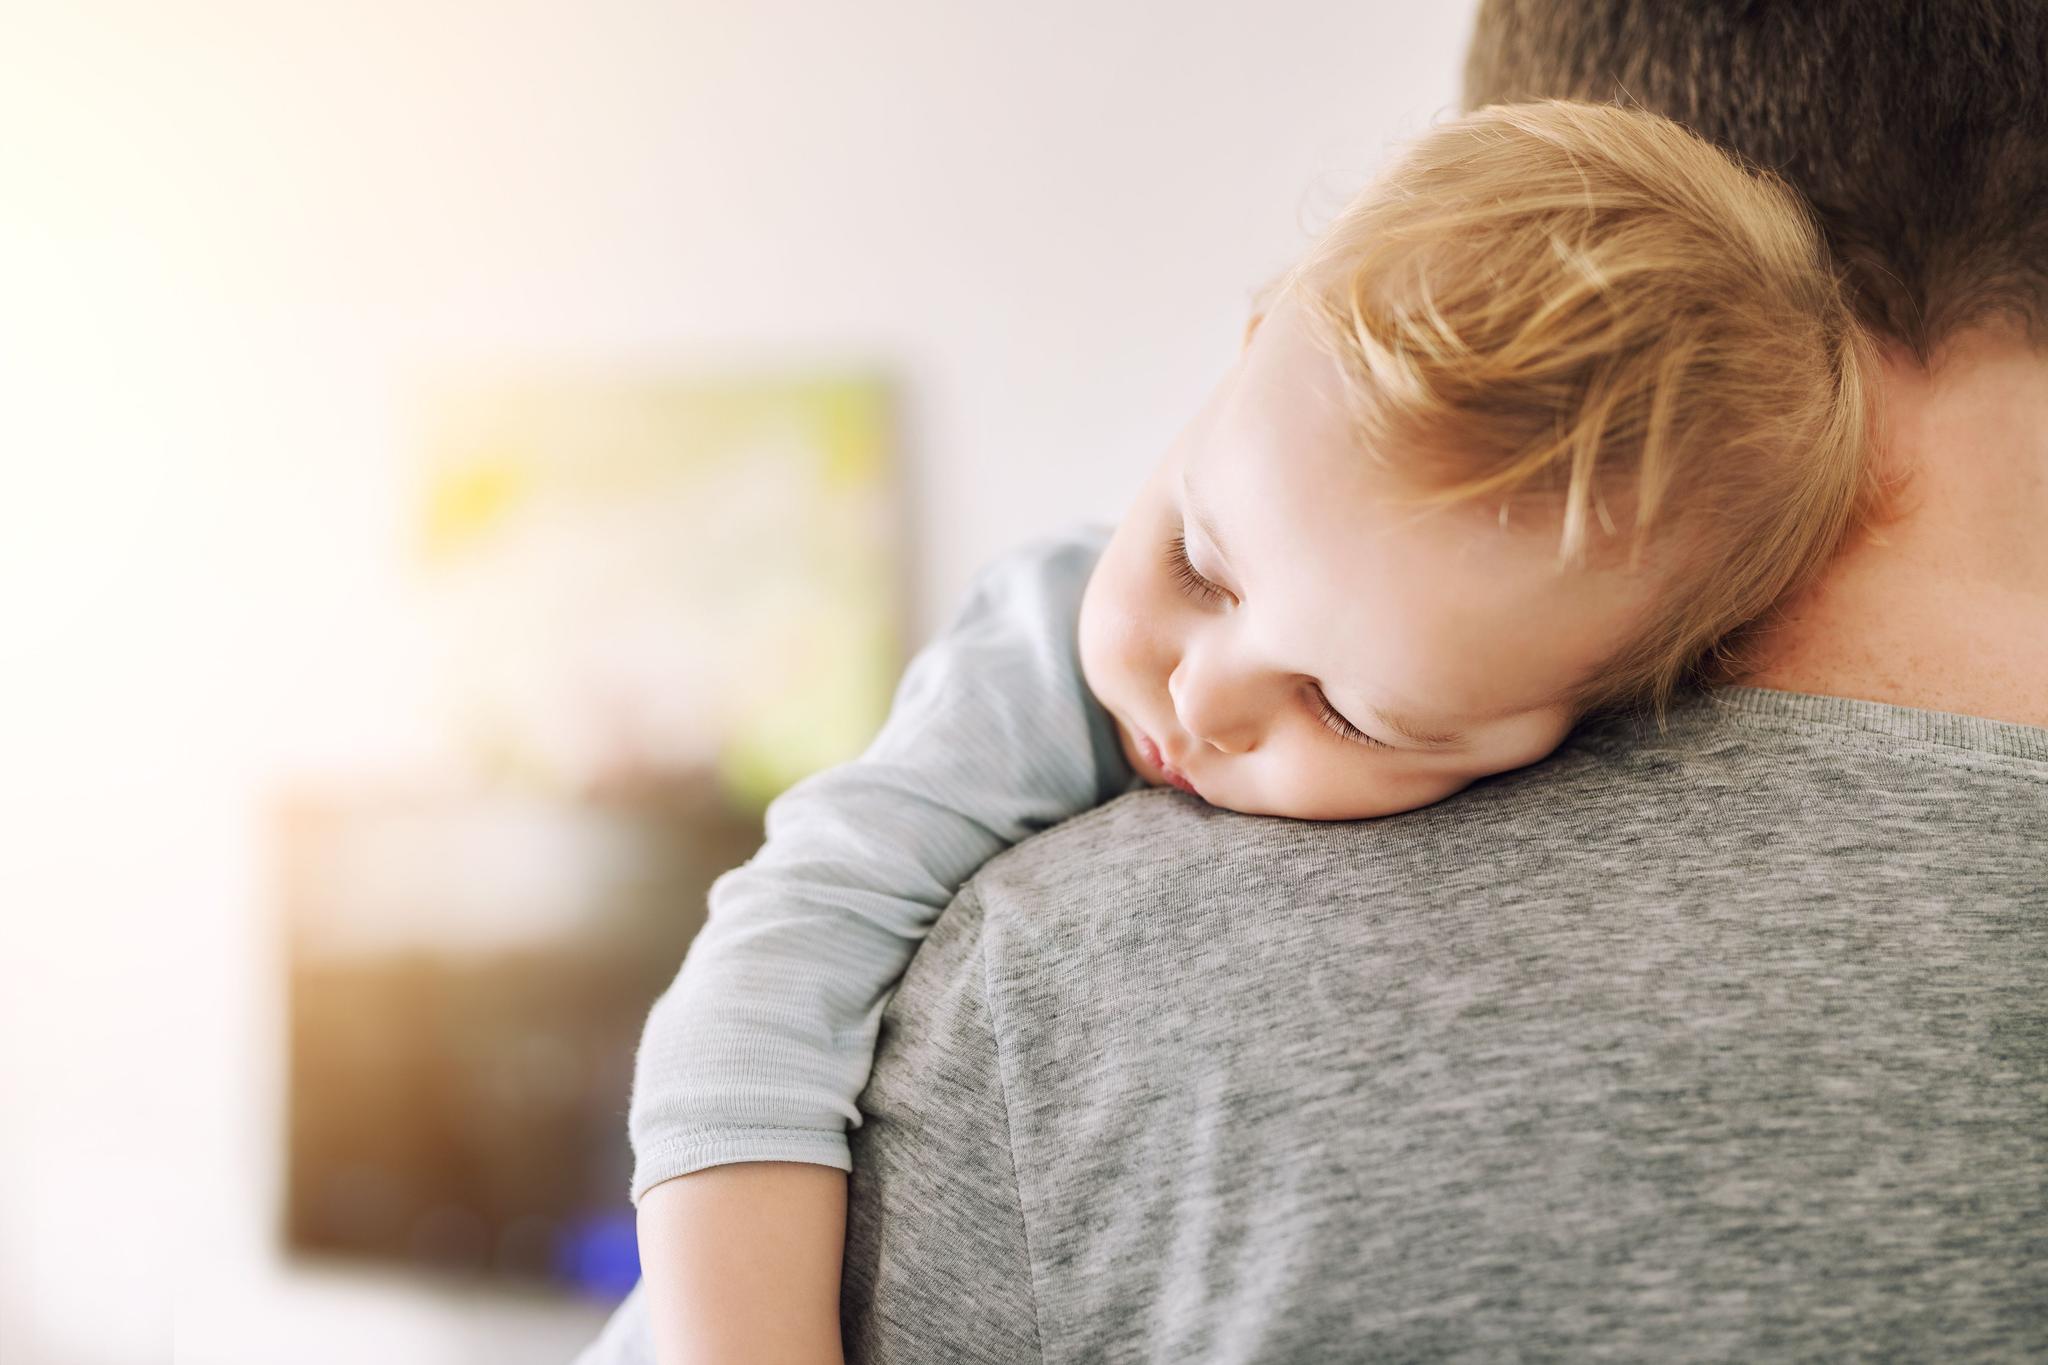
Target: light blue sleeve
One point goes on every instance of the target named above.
(759, 1049)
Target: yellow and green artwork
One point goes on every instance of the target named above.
(650, 602)
(647, 576)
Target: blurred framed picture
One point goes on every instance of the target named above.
(625, 573)
(653, 604)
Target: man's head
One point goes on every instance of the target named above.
(1918, 131)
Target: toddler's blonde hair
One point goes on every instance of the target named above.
(1588, 307)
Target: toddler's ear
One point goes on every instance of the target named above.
(1251, 327)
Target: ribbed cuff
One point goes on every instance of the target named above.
(727, 1146)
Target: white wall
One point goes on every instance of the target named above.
(233, 231)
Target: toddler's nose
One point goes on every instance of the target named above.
(1216, 710)
(1234, 742)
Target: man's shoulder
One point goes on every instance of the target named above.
(1189, 1074)
(1744, 794)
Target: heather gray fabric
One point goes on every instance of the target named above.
(1730, 1044)
(1726, 1045)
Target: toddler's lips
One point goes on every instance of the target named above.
(1173, 776)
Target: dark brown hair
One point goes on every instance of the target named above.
(1916, 129)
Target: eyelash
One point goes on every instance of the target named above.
(1341, 727)
(1184, 572)
(1201, 589)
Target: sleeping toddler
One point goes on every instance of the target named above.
(1541, 428)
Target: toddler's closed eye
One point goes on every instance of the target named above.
(1184, 572)
(1343, 728)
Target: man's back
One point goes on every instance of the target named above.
(1727, 1044)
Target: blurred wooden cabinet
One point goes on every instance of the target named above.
(468, 972)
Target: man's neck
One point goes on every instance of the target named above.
(1945, 608)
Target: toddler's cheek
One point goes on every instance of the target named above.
(1110, 637)
(1098, 647)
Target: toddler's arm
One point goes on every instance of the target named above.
(759, 1050)
(742, 1263)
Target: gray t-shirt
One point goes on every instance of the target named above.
(1729, 1043)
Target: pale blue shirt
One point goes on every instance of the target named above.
(761, 1046)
